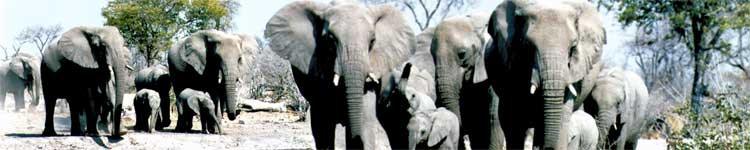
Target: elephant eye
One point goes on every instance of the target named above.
(462, 53)
(372, 41)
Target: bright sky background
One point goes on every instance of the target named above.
(251, 19)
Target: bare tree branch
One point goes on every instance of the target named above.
(40, 36)
(424, 11)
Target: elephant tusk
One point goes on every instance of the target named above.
(372, 78)
(336, 79)
(129, 67)
(572, 90)
(533, 89)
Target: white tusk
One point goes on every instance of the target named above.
(129, 67)
(336, 79)
(572, 90)
(240, 80)
(533, 89)
(373, 78)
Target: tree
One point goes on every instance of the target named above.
(425, 13)
(150, 26)
(698, 24)
(40, 36)
(14, 48)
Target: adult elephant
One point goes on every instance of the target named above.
(21, 72)
(458, 48)
(82, 67)
(157, 78)
(341, 42)
(619, 102)
(560, 39)
(208, 60)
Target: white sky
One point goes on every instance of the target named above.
(251, 19)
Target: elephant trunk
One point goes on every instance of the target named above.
(36, 86)
(118, 67)
(604, 121)
(230, 89)
(413, 141)
(354, 63)
(448, 88)
(552, 71)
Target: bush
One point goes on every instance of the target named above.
(268, 77)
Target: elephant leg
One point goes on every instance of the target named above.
(19, 97)
(76, 114)
(323, 127)
(181, 124)
(164, 119)
(152, 120)
(92, 111)
(204, 126)
(49, 112)
(2, 100)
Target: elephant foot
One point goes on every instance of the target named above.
(47, 132)
(76, 133)
(93, 133)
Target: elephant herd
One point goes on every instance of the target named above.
(489, 78)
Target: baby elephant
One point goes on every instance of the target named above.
(582, 132)
(190, 103)
(438, 127)
(147, 109)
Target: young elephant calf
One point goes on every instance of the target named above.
(147, 109)
(438, 127)
(582, 131)
(190, 103)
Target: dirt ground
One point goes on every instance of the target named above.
(257, 130)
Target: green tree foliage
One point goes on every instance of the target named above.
(698, 24)
(150, 26)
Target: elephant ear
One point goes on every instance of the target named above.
(440, 128)
(194, 103)
(197, 46)
(480, 22)
(294, 30)
(502, 28)
(590, 41)
(74, 45)
(18, 67)
(394, 39)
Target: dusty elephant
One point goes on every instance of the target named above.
(190, 103)
(335, 51)
(87, 67)
(147, 109)
(208, 60)
(563, 40)
(21, 72)
(156, 78)
(620, 104)
(458, 49)
(582, 131)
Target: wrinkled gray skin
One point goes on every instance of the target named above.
(19, 73)
(404, 91)
(582, 131)
(78, 67)
(147, 109)
(458, 48)
(208, 60)
(157, 78)
(346, 42)
(620, 104)
(190, 103)
(563, 40)
(437, 127)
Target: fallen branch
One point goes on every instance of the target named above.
(256, 105)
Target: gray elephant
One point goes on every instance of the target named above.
(563, 40)
(437, 127)
(346, 43)
(147, 109)
(78, 67)
(19, 73)
(619, 102)
(190, 103)
(582, 131)
(208, 60)
(157, 78)
(458, 48)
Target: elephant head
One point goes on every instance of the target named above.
(148, 101)
(94, 48)
(346, 40)
(458, 47)
(435, 126)
(214, 55)
(563, 40)
(582, 132)
(26, 67)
